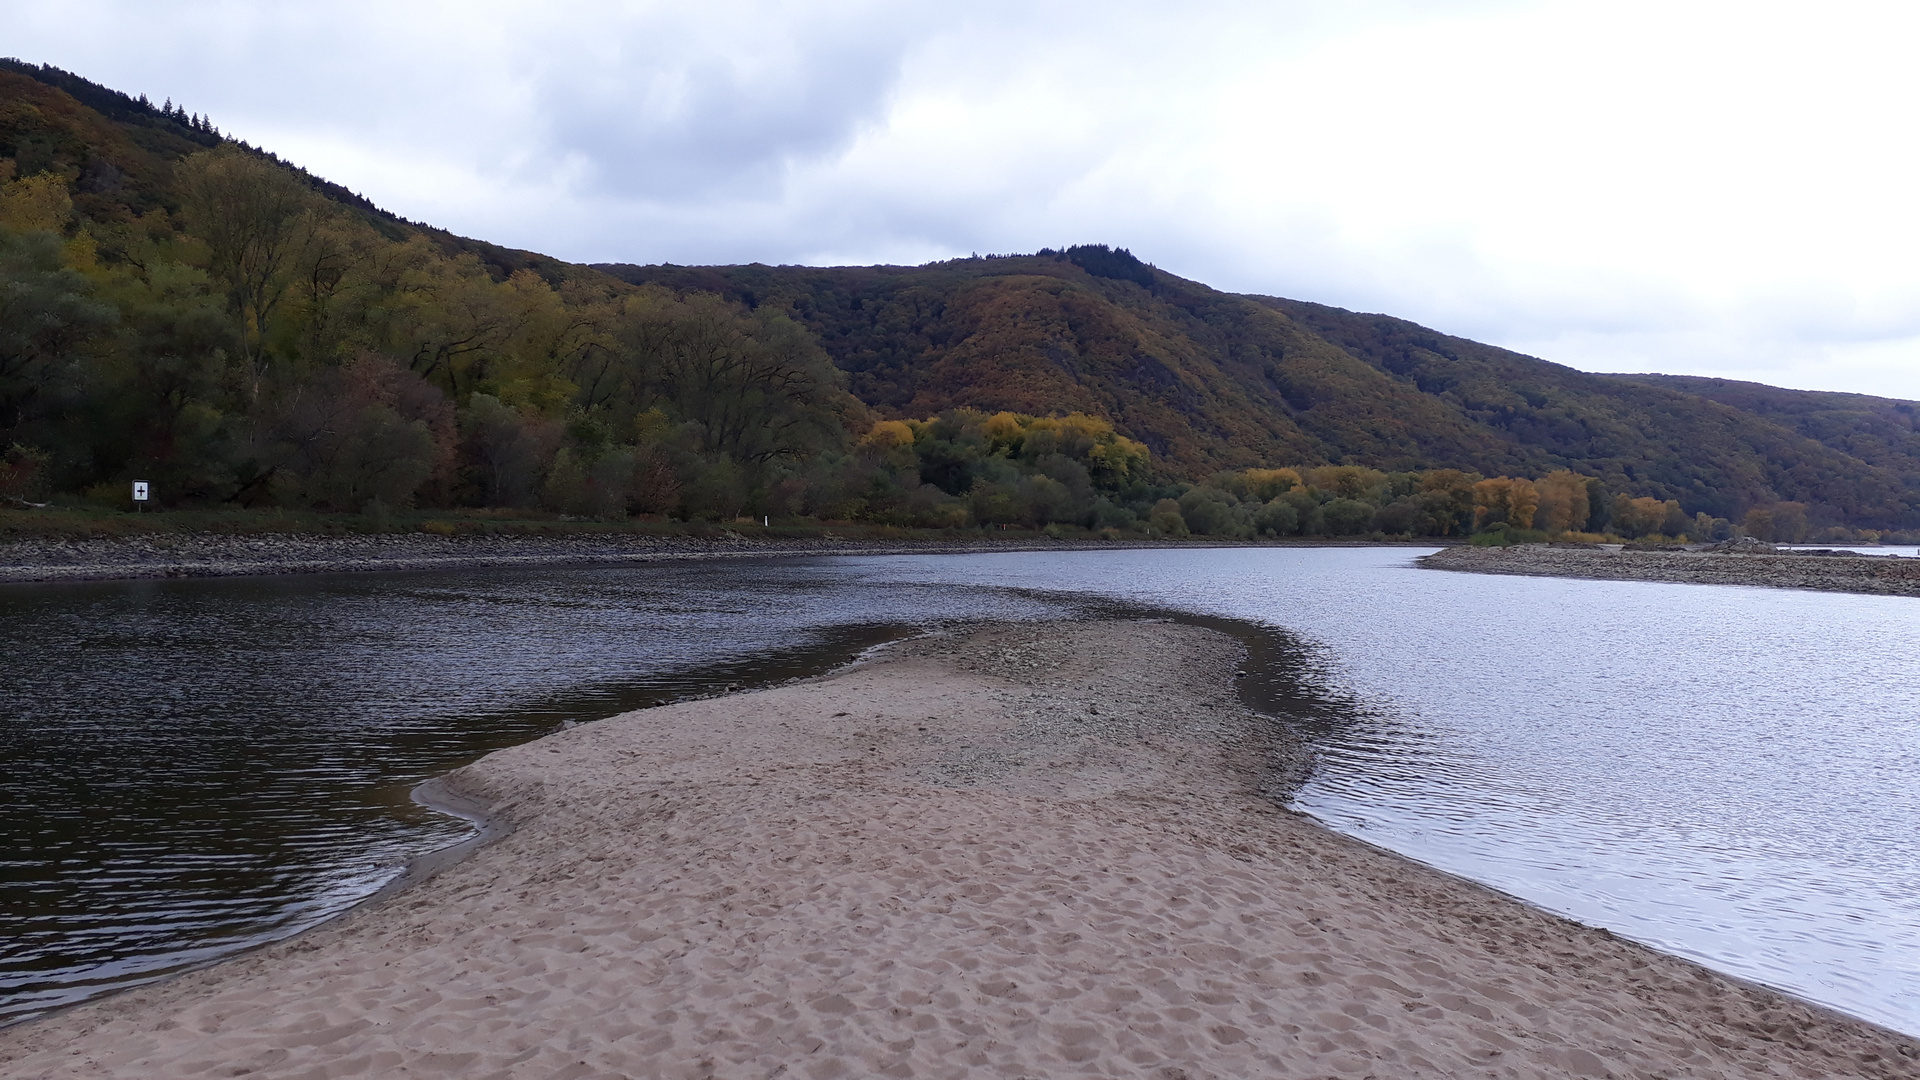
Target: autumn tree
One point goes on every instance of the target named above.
(1345, 481)
(1563, 501)
(1639, 517)
(1505, 499)
(35, 203)
(1267, 484)
(254, 217)
(752, 387)
(1782, 522)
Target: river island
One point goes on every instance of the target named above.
(1825, 570)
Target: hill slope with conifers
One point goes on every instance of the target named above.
(193, 311)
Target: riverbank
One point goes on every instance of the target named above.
(201, 555)
(1880, 574)
(1026, 850)
(183, 555)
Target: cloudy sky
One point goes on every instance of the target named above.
(1706, 188)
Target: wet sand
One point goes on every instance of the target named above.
(1032, 851)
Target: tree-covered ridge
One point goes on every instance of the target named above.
(1212, 380)
(194, 312)
(1205, 379)
(1715, 454)
(1882, 432)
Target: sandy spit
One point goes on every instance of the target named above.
(1029, 851)
(1884, 575)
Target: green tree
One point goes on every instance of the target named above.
(1347, 517)
(255, 218)
(47, 314)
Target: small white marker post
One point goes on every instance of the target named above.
(140, 495)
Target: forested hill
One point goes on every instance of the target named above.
(1879, 431)
(184, 309)
(1213, 380)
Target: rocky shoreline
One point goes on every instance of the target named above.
(178, 555)
(1886, 575)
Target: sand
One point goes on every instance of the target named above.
(1030, 851)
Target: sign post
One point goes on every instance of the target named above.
(140, 494)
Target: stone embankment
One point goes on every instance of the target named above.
(213, 555)
(1757, 565)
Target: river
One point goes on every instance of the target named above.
(1730, 774)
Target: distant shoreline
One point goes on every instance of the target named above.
(1882, 575)
(206, 555)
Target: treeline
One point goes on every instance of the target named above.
(1347, 500)
(253, 342)
(967, 467)
(264, 345)
(260, 345)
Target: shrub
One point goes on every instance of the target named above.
(1166, 519)
(1347, 517)
(1277, 518)
(1207, 511)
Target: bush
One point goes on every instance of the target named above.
(717, 492)
(1207, 511)
(24, 473)
(1107, 515)
(1166, 519)
(1347, 517)
(1277, 518)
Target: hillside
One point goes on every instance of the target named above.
(1710, 452)
(1214, 380)
(1883, 432)
(374, 361)
(1206, 380)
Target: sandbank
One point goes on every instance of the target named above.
(1883, 575)
(1019, 851)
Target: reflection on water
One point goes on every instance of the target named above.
(1731, 774)
(190, 768)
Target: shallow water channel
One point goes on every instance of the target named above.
(1731, 774)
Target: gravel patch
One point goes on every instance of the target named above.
(210, 555)
(1888, 575)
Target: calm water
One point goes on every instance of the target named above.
(190, 768)
(1730, 774)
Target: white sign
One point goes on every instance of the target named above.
(139, 491)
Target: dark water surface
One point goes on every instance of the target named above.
(190, 768)
(1731, 774)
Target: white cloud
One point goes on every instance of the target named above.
(1716, 188)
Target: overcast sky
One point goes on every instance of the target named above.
(1703, 188)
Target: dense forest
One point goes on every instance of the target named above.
(188, 310)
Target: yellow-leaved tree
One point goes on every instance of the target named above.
(1563, 501)
(35, 203)
(1503, 498)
